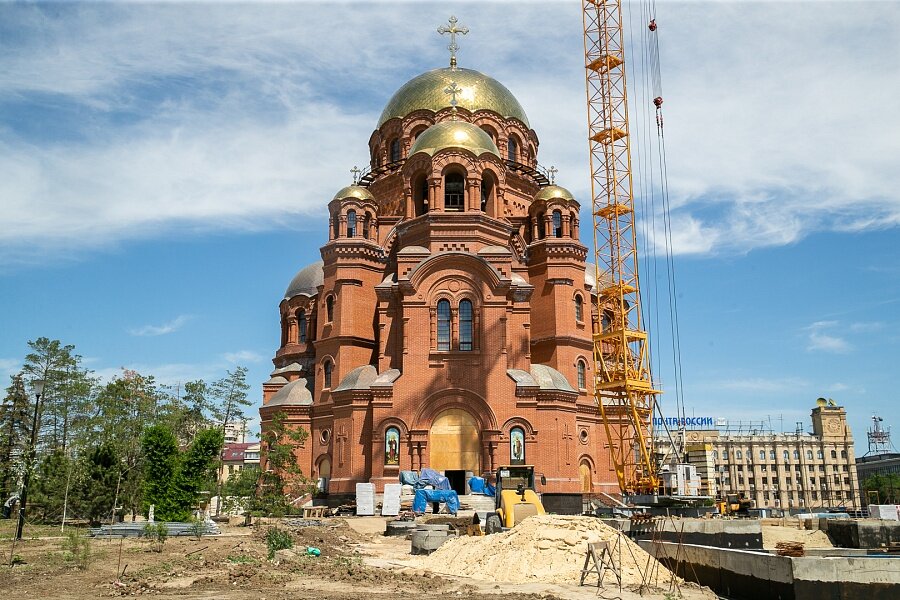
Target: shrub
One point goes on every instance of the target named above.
(276, 540)
(77, 550)
(156, 534)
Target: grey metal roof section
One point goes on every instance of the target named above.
(387, 378)
(296, 393)
(388, 281)
(294, 367)
(306, 281)
(276, 379)
(551, 379)
(360, 378)
(522, 378)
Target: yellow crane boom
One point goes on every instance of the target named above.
(623, 385)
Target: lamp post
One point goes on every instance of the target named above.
(38, 386)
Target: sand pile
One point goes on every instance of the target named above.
(547, 548)
(772, 534)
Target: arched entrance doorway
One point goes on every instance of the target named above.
(324, 474)
(454, 444)
(584, 470)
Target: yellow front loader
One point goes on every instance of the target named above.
(514, 499)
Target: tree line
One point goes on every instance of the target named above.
(99, 444)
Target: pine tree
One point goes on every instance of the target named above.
(230, 396)
(14, 434)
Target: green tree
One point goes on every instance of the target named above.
(160, 453)
(283, 480)
(53, 476)
(197, 472)
(230, 397)
(67, 390)
(14, 436)
(173, 480)
(239, 492)
(97, 488)
(187, 410)
(887, 486)
(125, 406)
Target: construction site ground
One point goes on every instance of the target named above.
(356, 561)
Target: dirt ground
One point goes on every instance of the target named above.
(356, 561)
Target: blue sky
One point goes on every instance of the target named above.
(165, 170)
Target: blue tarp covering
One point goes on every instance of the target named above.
(479, 486)
(423, 497)
(410, 478)
(434, 479)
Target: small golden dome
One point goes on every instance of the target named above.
(552, 192)
(354, 191)
(478, 92)
(454, 134)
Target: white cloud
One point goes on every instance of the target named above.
(164, 329)
(8, 368)
(245, 117)
(243, 356)
(820, 340)
(166, 373)
(766, 385)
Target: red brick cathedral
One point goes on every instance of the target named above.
(448, 324)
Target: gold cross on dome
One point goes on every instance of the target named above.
(453, 30)
(355, 171)
(453, 89)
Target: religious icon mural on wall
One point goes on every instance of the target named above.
(392, 446)
(516, 446)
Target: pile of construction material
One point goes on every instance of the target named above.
(789, 549)
(174, 529)
(548, 549)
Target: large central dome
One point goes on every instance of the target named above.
(478, 92)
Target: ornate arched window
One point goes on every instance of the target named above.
(579, 308)
(738, 455)
(392, 446)
(542, 226)
(328, 370)
(517, 446)
(809, 455)
(351, 223)
(395, 150)
(582, 375)
(301, 326)
(557, 224)
(786, 456)
(329, 308)
(454, 192)
(443, 325)
(466, 326)
(487, 190)
(512, 149)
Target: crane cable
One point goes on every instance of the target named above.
(675, 329)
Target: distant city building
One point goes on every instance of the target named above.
(236, 432)
(238, 456)
(882, 458)
(780, 470)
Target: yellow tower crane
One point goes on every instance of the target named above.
(623, 385)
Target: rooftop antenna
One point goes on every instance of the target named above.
(453, 30)
(879, 437)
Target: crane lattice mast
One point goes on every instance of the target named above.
(623, 386)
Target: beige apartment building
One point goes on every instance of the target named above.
(798, 470)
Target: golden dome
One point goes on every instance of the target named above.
(479, 92)
(354, 191)
(454, 134)
(552, 192)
